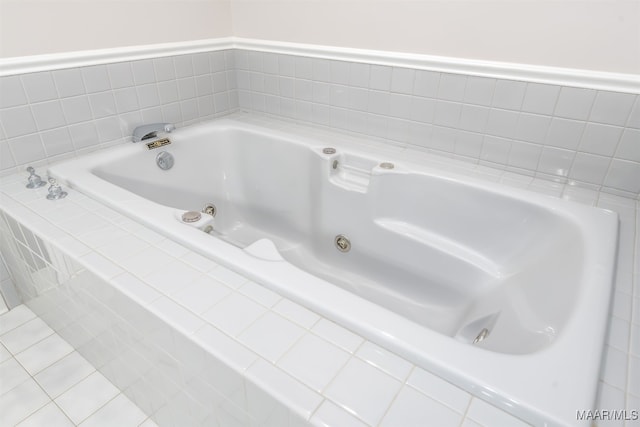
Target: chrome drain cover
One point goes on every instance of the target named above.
(343, 243)
(191, 216)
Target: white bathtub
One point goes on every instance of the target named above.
(437, 260)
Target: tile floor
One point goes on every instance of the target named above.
(44, 382)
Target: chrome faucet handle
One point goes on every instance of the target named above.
(34, 180)
(150, 131)
(55, 191)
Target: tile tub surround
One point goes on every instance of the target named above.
(46, 382)
(562, 125)
(559, 132)
(93, 277)
(49, 115)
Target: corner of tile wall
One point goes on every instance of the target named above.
(48, 116)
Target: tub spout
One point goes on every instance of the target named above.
(149, 131)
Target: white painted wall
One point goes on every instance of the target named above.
(585, 34)
(31, 27)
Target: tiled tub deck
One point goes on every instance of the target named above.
(191, 342)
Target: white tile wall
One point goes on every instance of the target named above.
(477, 119)
(48, 115)
(315, 372)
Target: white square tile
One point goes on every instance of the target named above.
(473, 118)
(57, 141)
(24, 400)
(618, 334)
(623, 175)
(380, 77)
(135, 288)
(524, 155)
(270, 63)
(126, 99)
(146, 262)
(264, 377)
(452, 87)
(226, 349)
(271, 336)
(358, 75)
(17, 121)
(172, 277)
(143, 71)
(48, 115)
(65, 373)
(86, 397)
(564, 133)
(100, 265)
(357, 99)
(11, 92)
(575, 103)
(39, 86)
(15, 317)
(426, 83)
(120, 75)
(502, 123)
(95, 78)
(12, 374)
(338, 72)
(102, 104)
(423, 109)
(83, 135)
(329, 415)
(4, 354)
(540, 98)
(589, 168)
(363, 390)
(123, 248)
(44, 353)
(314, 361)
(479, 90)
(629, 146)
(635, 339)
(495, 149)
(296, 313)
(260, 294)
(25, 335)
(612, 108)
(384, 360)
(201, 295)
(508, 94)
(440, 390)
(228, 277)
(164, 69)
(49, 415)
(303, 67)
(555, 161)
(412, 408)
(447, 113)
(168, 91)
(234, 313)
(118, 412)
(338, 335)
(469, 144)
(600, 139)
(172, 248)
(532, 127)
(199, 262)
(400, 106)
(148, 95)
(176, 316)
(488, 415)
(27, 149)
(402, 80)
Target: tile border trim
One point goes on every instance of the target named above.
(628, 83)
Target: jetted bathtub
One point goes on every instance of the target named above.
(502, 292)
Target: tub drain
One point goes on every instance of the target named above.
(342, 243)
(191, 216)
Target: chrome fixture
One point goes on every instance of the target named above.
(208, 229)
(329, 150)
(34, 180)
(55, 191)
(484, 333)
(387, 165)
(150, 131)
(210, 209)
(343, 243)
(164, 160)
(191, 216)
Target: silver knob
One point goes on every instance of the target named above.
(34, 180)
(55, 191)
